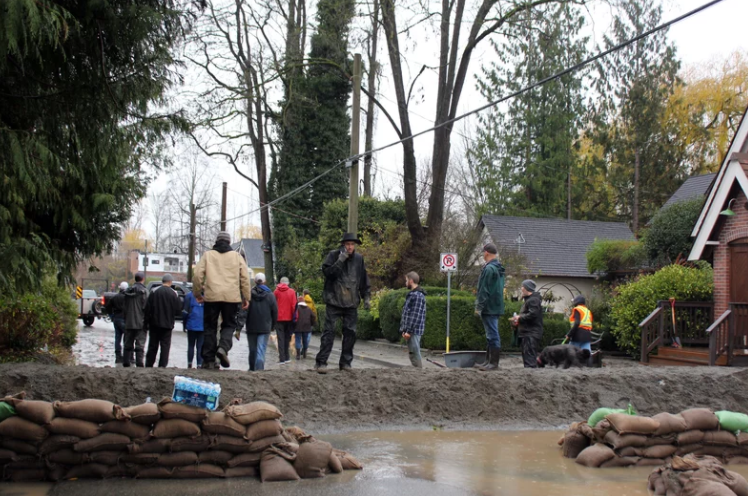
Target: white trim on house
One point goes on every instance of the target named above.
(720, 196)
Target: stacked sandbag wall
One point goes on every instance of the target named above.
(695, 475)
(623, 440)
(98, 439)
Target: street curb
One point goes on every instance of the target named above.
(363, 358)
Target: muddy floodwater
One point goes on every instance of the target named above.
(413, 463)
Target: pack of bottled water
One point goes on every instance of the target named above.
(197, 393)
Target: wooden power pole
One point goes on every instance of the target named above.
(355, 125)
(191, 253)
(223, 207)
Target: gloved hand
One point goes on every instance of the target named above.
(367, 304)
(477, 312)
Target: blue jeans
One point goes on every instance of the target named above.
(582, 346)
(302, 340)
(491, 325)
(119, 333)
(258, 344)
(195, 341)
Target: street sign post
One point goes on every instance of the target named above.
(448, 265)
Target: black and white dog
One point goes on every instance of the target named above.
(564, 355)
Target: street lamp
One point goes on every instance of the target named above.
(728, 212)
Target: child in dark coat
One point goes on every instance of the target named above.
(305, 321)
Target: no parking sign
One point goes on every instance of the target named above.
(449, 262)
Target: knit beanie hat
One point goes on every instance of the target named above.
(529, 285)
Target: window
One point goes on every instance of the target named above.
(155, 261)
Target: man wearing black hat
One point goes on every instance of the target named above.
(346, 284)
(489, 304)
(530, 322)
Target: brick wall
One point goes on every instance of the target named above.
(735, 228)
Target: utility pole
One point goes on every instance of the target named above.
(355, 125)
(191, 253)
(223, 207)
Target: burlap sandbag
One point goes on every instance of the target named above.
(177, 459)
(690, 437)
(6, 455)
(348, 461)
(57, 442)
(154, 473)
(660, 451)
(716, 451)
(599, 432)
(294, 434)
(656, 483)
(231, 443)
(103, 442)
(722, 438)
(73, 427)
(231, 473)
(275, 467)
(25, 430)
(737, 460)
(627, 451)
(623, 423)
(660, 440)
(171, 410)
(151, 446)
(141, 458)
(220, 423)
(26, 475)
(699, 487)
(620, 441)
(202, 471)
(220, 458)
(172, 428)
(26, 462)
(245, 460)
(334, 464)
(620, 461)
(68, 457)
(595, 455)
(19, 447)
(39, 412)
(263, 429)
(56, 473)
(669, 424)
(253, 412)
(743, 438)
(109, 458)
(121, 471)
(312, 459)
(701, 419)
(198, 444)
(261, 444)
(87, 471)
(136, 432)
(145, 414)
(650, 462)
(688, 449)
(574, 443)
(90, 410)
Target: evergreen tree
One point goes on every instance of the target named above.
(527, 148)
(76, 82)
(314, 128)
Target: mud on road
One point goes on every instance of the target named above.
(370, 399)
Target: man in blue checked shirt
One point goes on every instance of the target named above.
(414, 318)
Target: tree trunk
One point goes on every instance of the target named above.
(635, 206)
(373, 65)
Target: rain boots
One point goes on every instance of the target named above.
(481, 365)
(303, 353)
(493, 360)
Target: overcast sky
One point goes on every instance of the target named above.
(709, 36)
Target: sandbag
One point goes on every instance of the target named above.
(348, 461)
(660, 440)
(87, 471)
(669, 424)
(120, 471)
(599, 414)
(620, 461)
(274, 467)
(140, 458)
(627, 451)
(690, 437)
(198, 444)
(151, 446)
(26, 462)
(262, 444)
(6, 410)
(56, 473)
(231, 473)
(136, 432)
(661, 451)
(629, 424)
(312, 459)
(90, 410)
(39, 412)
(263, 429)
(700, 419)
(716, 451)
(25, 430)
(220, 423)
(172, 428)
(154, 473)
(253, 412)
(599, 432)
(595, 455)
(202, 471)
(699, 487)
(57, 442)
(336, 467)
(245, 460)
(743, 438)
(145, 414)
(573, 444)
(216, 457)
(6, 455)
(103, 442)
(171, 410)
(737, 460)
(109, 458)
(232, 444)
(68, 457)
(620, 441)
(732, 421)
(26, 475)
(650, 462)
(73, 427)
(722, 438)
(20, 447)
(177, 459)
(294, 434)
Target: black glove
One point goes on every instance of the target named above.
(343, 256)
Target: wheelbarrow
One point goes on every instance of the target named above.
(464, 359)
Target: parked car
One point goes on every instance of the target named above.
(89, 306)
(181, 287)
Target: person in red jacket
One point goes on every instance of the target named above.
(286, 298)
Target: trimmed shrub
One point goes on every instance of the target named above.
(635, 300)
(669, 233)
(608, 255)
(368, 326)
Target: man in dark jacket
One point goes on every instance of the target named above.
(162, 307)
(115, 308)
(136, 297)
(346, 284)
(489, 304)
(530, 322)
(262, 317)
(413, 319)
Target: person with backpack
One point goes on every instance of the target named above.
(262, 318)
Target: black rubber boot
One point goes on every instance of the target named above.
(303, 353)
(481, 365)
(493, 360)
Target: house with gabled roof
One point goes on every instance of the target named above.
(252, 249)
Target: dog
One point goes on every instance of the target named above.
(564, 355)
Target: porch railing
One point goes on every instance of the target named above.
(651, 335)
(691, 320)
(720, 338)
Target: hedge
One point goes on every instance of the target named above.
(366, 328)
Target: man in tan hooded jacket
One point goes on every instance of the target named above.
(221, 280)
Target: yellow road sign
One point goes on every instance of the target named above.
(78, 292)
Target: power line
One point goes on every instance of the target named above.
(491, 104)
(274, 208)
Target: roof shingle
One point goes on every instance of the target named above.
(252, 251)
(696, 186)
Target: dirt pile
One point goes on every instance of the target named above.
(395, 398)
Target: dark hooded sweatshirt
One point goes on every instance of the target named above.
(262, 315)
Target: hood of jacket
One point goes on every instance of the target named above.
(419, 289)
(222, 247)
(282, 287)
(136, 289)
(259, 293)
(535, 294)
